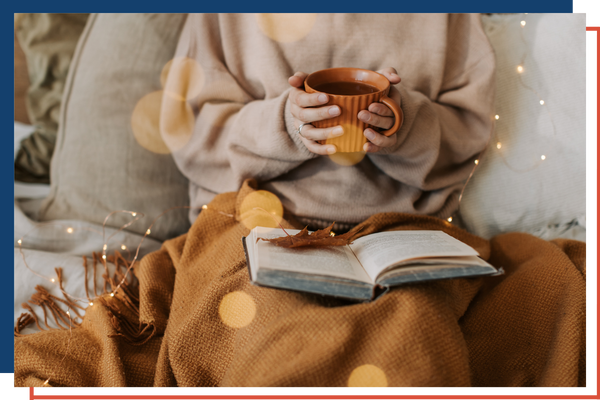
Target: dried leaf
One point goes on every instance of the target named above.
(322, 237)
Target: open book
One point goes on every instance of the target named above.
(364, 269)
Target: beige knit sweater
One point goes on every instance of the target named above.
(244, 128)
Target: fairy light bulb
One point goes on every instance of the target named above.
(523, 23)
(68, 313)
(331, 234)
(543, 157)
(476, 162)
(520, 69)
(148, 232)
(542, 102)
(133, 214)
(104, 247)
(449, 219)
(104, 256)
(19, 241)
(112, 295)
(497, 117)
(91, 303)
(204, 207)
(52, 280)
(69, 230)
(498, 145)
(123, 247)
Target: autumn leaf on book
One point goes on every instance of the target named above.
(322, 237)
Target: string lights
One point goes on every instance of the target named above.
(104, 257)
(520, 72)
(520, 68)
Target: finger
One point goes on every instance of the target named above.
(381, 109)
(297, 80)
(317, 148)
(376, 120)
(303, 99)
(314, 114)
(371, 148)
(312, 133)
(378, 139)
(391, 74)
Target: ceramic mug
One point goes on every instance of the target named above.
(352, 90)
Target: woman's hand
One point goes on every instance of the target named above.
(304, 110)
(300, 102)
(379, 115)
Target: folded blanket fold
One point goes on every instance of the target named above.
(210, 327)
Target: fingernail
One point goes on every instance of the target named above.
(323, 98)
(331, 150)
(364, 116)
(333, 111)
(369, 134)
(338, 131)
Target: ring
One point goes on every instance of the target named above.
(299, 130)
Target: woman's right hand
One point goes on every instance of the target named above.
(304, 110)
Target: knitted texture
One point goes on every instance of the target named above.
(212, 327)
(245, 128)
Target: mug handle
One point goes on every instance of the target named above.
(398, 115)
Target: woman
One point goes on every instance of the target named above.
(248, 115)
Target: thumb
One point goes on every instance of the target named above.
(297, 80)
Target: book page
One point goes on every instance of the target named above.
(335, 261)
(378, 251)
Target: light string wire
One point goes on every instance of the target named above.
(148, 231)
(70, 230)
(494, 132)
(476, 163)
(105, 242)
(520, 70)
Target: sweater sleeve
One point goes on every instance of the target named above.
(236, 135)
(442, 134)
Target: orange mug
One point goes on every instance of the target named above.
(353, 90)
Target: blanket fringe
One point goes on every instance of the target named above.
(128, 296)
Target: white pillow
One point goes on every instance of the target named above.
(513, 189)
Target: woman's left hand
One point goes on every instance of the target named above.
(379, 115)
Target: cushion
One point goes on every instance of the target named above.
(99, 166)
(514, 189)
(48, 42)
(21, 84)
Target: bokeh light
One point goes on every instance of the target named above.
(367, 376)
(347, 159)
(354, 138)
(237, 309)
(285, 28)
(183, 78)
(261, 208)
(176, 122)
(145, 123)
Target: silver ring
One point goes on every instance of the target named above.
(299, 131)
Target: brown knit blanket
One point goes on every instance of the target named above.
(195, 320)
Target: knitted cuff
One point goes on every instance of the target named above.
(291, 129)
